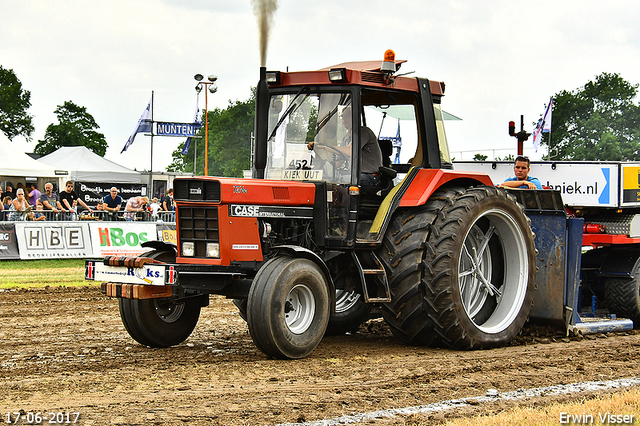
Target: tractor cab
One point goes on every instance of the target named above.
(324, 127)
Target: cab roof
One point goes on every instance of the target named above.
(364, 73)
(364, 65)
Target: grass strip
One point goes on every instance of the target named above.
(42, 273)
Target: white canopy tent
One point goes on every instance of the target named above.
(16, 164)
(86, 166)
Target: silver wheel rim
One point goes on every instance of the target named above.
(300, 308)
(475, 271)
(345, 300)
(168, 312)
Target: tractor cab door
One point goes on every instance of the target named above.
(410, 132)
(310, 139)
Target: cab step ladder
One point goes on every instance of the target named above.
(373, 276)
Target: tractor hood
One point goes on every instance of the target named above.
(244, 191)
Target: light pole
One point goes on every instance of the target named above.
(213, 89)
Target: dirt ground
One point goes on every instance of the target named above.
(66, 350)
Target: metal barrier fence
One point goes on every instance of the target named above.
(99, 215)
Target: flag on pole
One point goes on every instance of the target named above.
(547, 122)
(144, 125)
(397, 144)
(197, 121)
(543, 126)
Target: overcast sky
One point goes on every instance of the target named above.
(499, 59)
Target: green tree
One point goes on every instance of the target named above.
(76, 127)
(229, 142)
(480, 157)
(599, 121)
(508, 157)
(14, 102)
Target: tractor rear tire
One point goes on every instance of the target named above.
(288, 307)
(623, 297)
(402, 253)
(159, 323)
(463, 269)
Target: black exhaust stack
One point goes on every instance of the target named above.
(260, 125)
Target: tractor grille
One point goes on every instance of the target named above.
(196, 190)
(372, 77)
(281, 193)
(200, 225)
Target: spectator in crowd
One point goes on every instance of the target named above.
(134, 205)
(68, 196)
(19, 206)
(154, 206)
(33, 194)
(112, 203)
(146, 209)
(167, 201)
(8, 191)
(6, 205)
(39, 213)
(49, 199)
(99, 214)
(74, 210)
(521, 169)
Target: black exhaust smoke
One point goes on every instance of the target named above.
(264, 13)
(264, 10)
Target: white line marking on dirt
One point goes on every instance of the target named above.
(477, 400)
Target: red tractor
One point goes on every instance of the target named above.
(317, 237)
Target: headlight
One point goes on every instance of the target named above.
(188, 248)
(273, 77)
(213, 250)
(338, 75)
(266, 229)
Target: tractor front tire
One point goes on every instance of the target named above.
(159, 323)
(350, 312)
(288, 307)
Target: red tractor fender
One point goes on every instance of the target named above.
(427, 181)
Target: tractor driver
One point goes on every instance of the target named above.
(522, 179)
(371, 155)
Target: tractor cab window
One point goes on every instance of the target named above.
(393, 115)
(445, 157)
(307, 139)
(396, 119)
(398, 147)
